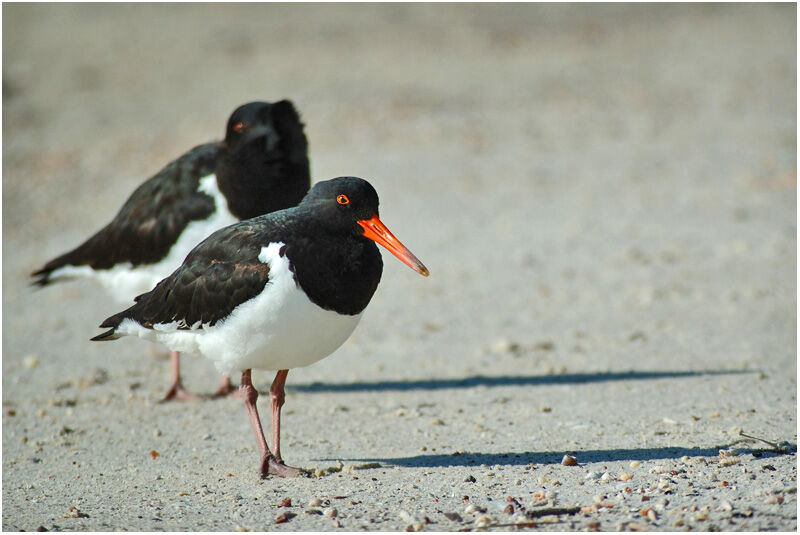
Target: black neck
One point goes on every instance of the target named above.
(339, 273)
(255, 183)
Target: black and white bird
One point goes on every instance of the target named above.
(275, 292)
(261, 166)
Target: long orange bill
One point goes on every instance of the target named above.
(377, 232)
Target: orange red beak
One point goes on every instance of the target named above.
(377, 232)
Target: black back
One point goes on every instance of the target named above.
(261, 166)
(337, 267)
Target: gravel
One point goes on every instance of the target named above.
(605, 196)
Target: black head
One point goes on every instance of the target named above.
(350, 205)
(262, 122)
(343, 201)
(266, 163)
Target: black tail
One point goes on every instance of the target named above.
(107, 336)
(113, 322)
(42, 277)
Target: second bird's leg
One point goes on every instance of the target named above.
(176, 390)
(225, 388)
(269, 463)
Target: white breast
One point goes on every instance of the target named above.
(124, 282)
(278, 329)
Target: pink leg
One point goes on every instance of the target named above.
(226, 388)
(276, 398)
(176, 390)
(269, 463)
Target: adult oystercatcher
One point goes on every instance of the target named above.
(275, 292)
(261, 166)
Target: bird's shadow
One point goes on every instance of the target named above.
(504, 380)
(583, 456)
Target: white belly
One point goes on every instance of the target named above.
(278, 329)
(124, 282)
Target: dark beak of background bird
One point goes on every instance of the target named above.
(377, 232)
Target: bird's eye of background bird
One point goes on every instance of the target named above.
(238, 127)
(342, 199)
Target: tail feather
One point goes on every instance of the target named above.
(42, 277)
(112, 322)
(107, 336)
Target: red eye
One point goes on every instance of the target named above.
(342, 199)
(238, 127)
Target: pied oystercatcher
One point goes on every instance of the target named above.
(275, 292)
(261, 166)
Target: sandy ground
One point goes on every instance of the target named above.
(605, 197)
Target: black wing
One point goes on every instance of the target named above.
(152, 218)
(218, 275)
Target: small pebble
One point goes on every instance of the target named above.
(330, 512)
(502, 346)
(414, 523)
(284, 517)
(726, 506)
(74, 512)
(470, 509)
(31, 361)
(634, 464)
(625, 476)
(483, 521)
(315, 502)
(569, 460)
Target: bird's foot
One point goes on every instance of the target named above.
(272, 466)
(226, 389)
(177, 393)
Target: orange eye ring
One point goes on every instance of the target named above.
(342, 199)
(238, 127)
